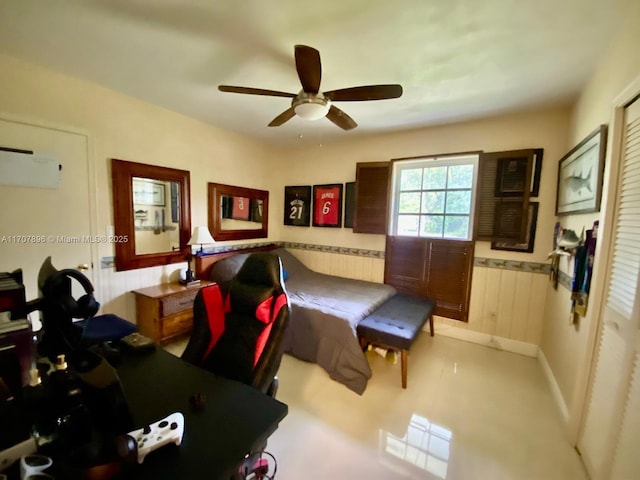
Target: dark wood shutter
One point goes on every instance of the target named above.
(372, 192)
(435, 268)
(449, 277)
(405, 258)
(502, 202)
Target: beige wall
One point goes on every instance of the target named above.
(566, 346)
(498, 297)
(336, 163)
(122, 127)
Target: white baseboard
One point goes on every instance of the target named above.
(514, 346)
(492, 341)
(553, 385)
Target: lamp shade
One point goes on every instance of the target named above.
(201, 235)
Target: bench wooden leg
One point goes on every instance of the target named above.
(403, 366)
(431, 324)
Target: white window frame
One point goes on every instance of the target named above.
(433, 161)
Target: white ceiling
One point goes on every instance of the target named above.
(456, 59)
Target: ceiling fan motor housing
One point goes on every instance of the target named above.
(311, 106)
(311, 103)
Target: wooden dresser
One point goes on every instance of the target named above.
(165, 311)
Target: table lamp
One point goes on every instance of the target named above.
(201, 235)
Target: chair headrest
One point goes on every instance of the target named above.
(260, 268)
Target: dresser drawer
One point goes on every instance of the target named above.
(165, 311)
(177, 324)
(177, 302)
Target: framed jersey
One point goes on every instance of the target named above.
(297, 205)
(241, 208)
(327, 205)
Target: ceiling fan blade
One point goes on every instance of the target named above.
(254, 91)
(288, 114)
(341, 119)
(308, 67)
(368, 92)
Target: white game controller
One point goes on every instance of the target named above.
(158, 434)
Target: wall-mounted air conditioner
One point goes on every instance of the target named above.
(29, 169)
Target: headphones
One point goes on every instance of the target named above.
(57, 292)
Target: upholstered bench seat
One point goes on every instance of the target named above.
(396, 324)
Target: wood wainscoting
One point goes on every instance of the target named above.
(506, 307)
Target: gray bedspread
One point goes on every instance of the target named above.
(325, 311)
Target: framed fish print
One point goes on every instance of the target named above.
(580, 175)
(297, 205)
(327, 205)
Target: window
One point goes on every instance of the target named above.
(434, 197)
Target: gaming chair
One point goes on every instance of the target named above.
(238, 328)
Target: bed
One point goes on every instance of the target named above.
(325, 311)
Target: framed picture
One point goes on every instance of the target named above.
(175, 202)
(241, 208)
(511, 176)
(327, 205)
(528, 244)
(148, 192)
(256, 210)
(537, 170)
(580, 175)
(297, 205)
(349, 203)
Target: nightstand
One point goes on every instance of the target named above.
(165, 311)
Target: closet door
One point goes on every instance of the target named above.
(39, 222)
(611, 431)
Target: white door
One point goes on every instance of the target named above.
(39, 222)
(611, 431)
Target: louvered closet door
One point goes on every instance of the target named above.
(611, 436)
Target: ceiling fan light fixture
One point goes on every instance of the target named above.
(311, 106)
(311, 111)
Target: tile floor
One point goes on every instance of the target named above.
(469, 412)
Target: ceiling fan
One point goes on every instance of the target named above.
(312, 104)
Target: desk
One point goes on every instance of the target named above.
(236, 417)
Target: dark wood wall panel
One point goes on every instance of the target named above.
(449, 277)
(403, 266)
(372, 191)
(434, 268)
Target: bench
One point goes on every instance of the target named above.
(396, 324)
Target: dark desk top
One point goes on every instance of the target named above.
(235, 418)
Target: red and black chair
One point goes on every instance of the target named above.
(238, 328)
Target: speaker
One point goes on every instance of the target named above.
(57, 293)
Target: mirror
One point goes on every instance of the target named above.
(151, 213)
(237, 213)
